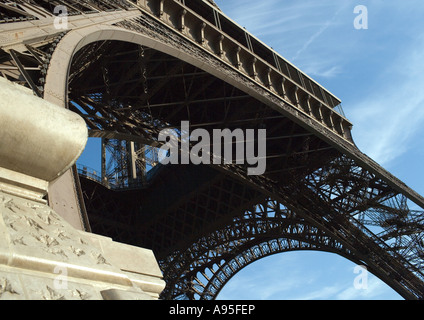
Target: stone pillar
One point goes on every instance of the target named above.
(41, 255)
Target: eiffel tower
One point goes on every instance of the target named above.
(134, 68)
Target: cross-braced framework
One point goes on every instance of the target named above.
(270, 227)
(134, 68)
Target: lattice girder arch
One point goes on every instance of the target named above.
(389, 262)
(203, 269)
(215, 259)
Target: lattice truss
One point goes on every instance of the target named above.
(312, 197)
(29, 68)
(359, 218)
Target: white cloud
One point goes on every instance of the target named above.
(302, 31)
(375, 288)
(385, 120)
(323, 27)
(302, 276)
(325, 293)
(264, 281)
(322, 71)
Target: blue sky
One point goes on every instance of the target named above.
(378, 73)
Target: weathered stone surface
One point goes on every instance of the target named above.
(42, 256)
(39, 139)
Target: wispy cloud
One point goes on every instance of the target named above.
(302, 276)
(320, 39)
(266, 282)
(298, 30)
(317, 34)
(393, 113)
(374, 289)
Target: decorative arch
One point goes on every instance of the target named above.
(56, 89)
(268, 228)
(56, 86)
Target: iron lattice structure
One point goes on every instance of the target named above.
(133, 68)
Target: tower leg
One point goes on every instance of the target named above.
(63, 198)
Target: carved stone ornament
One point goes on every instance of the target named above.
(41, 255)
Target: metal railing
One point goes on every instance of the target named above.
(119, 183)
